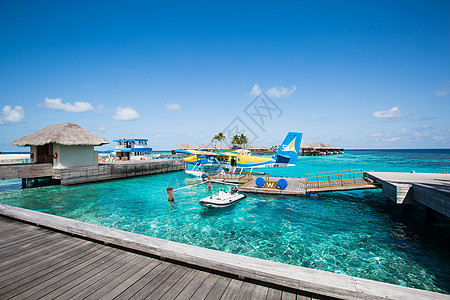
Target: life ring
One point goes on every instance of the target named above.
(31, 155)
(55, 155)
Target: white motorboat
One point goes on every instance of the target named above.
(222, 198)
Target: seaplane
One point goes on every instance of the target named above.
(230, 161)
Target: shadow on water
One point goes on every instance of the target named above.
(220, 211)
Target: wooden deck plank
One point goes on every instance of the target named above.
(156, 282)
(178, 287)
(76, 277)
(218, 288)
(288, 296)
(232, 290)
(138, 273)
(204, 289)
(36, 258)
(192, 287)
(8, 224)
(303, 297)
(163, 288)
(141, 282)
(55, 265)
(273, 294)
(108, 283)
(246, 290)
(29, 280)
(51, 284)
(27, 251)
(89, 283)
(260, 292)
(26, 246)
(12, 237)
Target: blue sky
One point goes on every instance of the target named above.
(356, 74)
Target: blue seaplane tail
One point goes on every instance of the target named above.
(288, 152)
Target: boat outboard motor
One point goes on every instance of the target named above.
(234, 189)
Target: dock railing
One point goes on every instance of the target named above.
(239, 176)
(335, 178)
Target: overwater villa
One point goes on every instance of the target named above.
(63, 145)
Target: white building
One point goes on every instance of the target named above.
(64, 145)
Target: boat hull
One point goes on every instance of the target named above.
(214, 202)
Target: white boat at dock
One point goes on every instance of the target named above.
(222, 199)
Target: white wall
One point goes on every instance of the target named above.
(33, 150)
(74, 156)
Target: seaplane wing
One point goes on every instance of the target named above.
(198, 152)
(197, 157)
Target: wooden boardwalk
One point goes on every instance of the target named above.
(339, 185)
(14, 171)
(430, 189)
(37, 263)
(79, 175)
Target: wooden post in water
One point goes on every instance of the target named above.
(170, 194)
(209, 183)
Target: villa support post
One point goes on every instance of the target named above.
(170, 194)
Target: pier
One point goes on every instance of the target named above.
(31, 173)
(337, 181)
(314, 182)
(430, 189)
(45, 256)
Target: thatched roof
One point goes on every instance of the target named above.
(184, 147)
(68, 134)
(315, 145)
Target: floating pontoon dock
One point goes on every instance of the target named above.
(68, 259)
(296, 187)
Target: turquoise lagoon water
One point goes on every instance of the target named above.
(358, 233)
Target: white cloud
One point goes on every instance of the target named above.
(390, 113)
(393, 139)
(100, 128)
(256, 90)
(344, 94)
(77, 107)
(125, 114)
(318, 118)
(441, 92)
(280, 91)
(275, 92)
(13, 115)
(100, 107)
(173, 106)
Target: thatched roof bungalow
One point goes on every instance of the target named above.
(65, 145)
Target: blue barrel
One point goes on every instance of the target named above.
(260, 181)
(282, 183)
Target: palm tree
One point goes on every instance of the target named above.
(243, 140)
(235, 140)
(219, 137)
